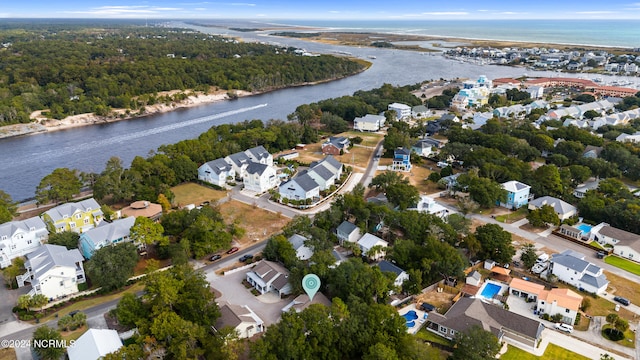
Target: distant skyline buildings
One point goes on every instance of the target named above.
(266, 10)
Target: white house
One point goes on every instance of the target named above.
(302, 187)
(18, 238)
(401, 275)
(268, 276)
(348, 232)
(330, 163)
(554, 301)
(95, 344)
(240, 318)
(423, 148)
(536, 92)
(303, 252)
(368, 241)
(260, 155)
(324, 177)
(517, 194)
(572, 268)
(53, 271)
(369, 122)
(625, 244)
(635, 137)
(562, 208)
(419, 112)
(239, 162)
(403, 111)
(216, 172)
(106, 234)
(259, 177)
(581, 190)
(430, 206)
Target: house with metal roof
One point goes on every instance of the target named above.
(572, 268)
(562, 208)
(107, 234)
(94, 344)
(517, 194)
(18, 238)
(625, 244)
(53, 271)
(216, 172)
(75, 216)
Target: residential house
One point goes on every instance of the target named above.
(330, 163)
(239, 162)
(107, 234)
(260, 155)
(303, 252)
(302, 187)
(269, 276)
(401, 160)
(581, 190)
(302, 302)
(401, 275)
(259, 177)
(402, 111)
(240, 318)
(423, 148)
(79, 216)
(53, 271)
(216, 172)
(336, 145)
(634, 138)
(625, 244)
(18, 238)
(348, 232)
(142, 208)
(479, 120)
(94, 344)
(419, 112)
(369, 122)
(572, 268)
(450, 181)
(324, 177)
(367, 242)
(592, 152)
(562, 208)
(468, 312)
(517, 194)
(536, 92)
(554, 301)
(428, 205)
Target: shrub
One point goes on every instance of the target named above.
(612, 334)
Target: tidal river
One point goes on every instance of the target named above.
(25, 160)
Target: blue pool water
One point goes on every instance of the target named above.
(411, 315)
(411, 324)
(490, 290)
(584, 228)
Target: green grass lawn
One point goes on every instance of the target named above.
(629, 338)
(514, 216)
(191, 193)
(427, 335)
(553, 352)
(623, 264)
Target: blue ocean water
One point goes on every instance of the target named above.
(620, 33)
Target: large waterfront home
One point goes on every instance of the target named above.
(79, 216)
(18, 238)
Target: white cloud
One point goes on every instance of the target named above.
(446, 13)
(596, 12)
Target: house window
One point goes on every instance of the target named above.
(29, 241)
(78, 216)
(4, 237)
(61, 283)
(32, 229)
(452, 332)
(566, 310)
(443, 329)
(86, 221)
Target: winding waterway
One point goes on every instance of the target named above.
(25, 160)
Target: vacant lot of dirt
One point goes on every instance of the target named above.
(259, 224)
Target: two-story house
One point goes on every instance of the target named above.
(216, 172)
(269, 276)
(555, 301)
(517, 194)
(401, 160)
(242, 319)
(18, 238)
(402, 111)
(239, 162)
(369, 242)
(335, 145)
(420, 112)
(348, 232)
(369, 122)
(260, 155)
(625, 244)
(107, 234)
(572, 268)
(53, 271)
(301, 187)
(259, 177)
(401, 275)
(323, 176)
(79, 216)
(428, 205)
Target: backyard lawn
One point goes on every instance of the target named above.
(192, 193)
(622, 287)
(553, 352)
(623, 264)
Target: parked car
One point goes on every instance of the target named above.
(564, 327)
(601, 254)
(232, 250)
(622, 300)
(216, 257)
(539, 268)
(246, 257)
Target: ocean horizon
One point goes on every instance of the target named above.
(606, 33)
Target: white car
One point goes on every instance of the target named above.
(564, 327)
(539, 268)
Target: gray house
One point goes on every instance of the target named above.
(348, 232)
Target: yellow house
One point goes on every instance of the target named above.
(78, 217)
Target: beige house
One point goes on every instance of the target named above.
(240, 318)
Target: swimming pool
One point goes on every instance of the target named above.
(410, 316)
(584, 228)
(490, 290)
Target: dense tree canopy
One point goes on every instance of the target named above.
(69, 239)
(495, 243)
(111, 266)
(475, 344)
(7, 207)
(61, 185)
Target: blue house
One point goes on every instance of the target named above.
(105, 235)
(401, 160)
(517, 194)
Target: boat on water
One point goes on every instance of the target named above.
(371, 57)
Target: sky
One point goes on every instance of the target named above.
(323, 9)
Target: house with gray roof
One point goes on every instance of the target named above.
(369, 242)
(301, 187)
(369, 122)
(74, 216)
(260, 155)
(259, 177)
(303, 252)
(468, 312)
(335, 145)
(239, 161)
(625, 244)
(107, 234)
(216, 172)
(242, 319)
(53, 271)
(420, 112)
(348, 232)
(330, 163)
(269, 276)
(572, 268)
(562, 208)
(94, 344)
(18, 238)
(401, 275)
(581, 190)
(323, 176)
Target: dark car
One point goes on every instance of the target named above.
(246, 257)
(427, 307)
(232, 250)
(622, 300)
(601, 254)
(216, 257)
